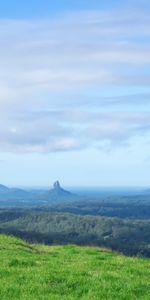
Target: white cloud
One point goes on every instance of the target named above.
(41, 61)
(65, 131)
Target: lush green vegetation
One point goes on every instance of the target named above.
(128, 236)
(121, 223)
(122, 207)
(38, 272)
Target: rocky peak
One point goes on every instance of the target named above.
(56, 185)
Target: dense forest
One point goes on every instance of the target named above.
(129, 236)
(119, 222)
(122, 207)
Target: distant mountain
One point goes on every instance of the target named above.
(16, 196)
(7, 193)
(58, 193)
(3, 188)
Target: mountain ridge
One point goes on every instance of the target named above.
(55, 194)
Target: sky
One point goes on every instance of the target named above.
(75, 93)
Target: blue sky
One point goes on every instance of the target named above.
(75, 93)
(37, 8)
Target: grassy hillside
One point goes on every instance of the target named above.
(38, 272)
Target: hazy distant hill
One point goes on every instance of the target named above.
(58, 193)
(3, 188)
(11, 193)
(19, 196)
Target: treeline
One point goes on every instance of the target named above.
(124, 207)
(136, 207)
(128, 236)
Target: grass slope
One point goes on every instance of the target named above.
(38, 272)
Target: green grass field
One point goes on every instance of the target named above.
(38, 272)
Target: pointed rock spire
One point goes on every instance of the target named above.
(56, 185)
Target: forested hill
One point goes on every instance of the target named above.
(38, 272)
(130, 237)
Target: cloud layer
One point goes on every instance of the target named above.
(50, 70)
